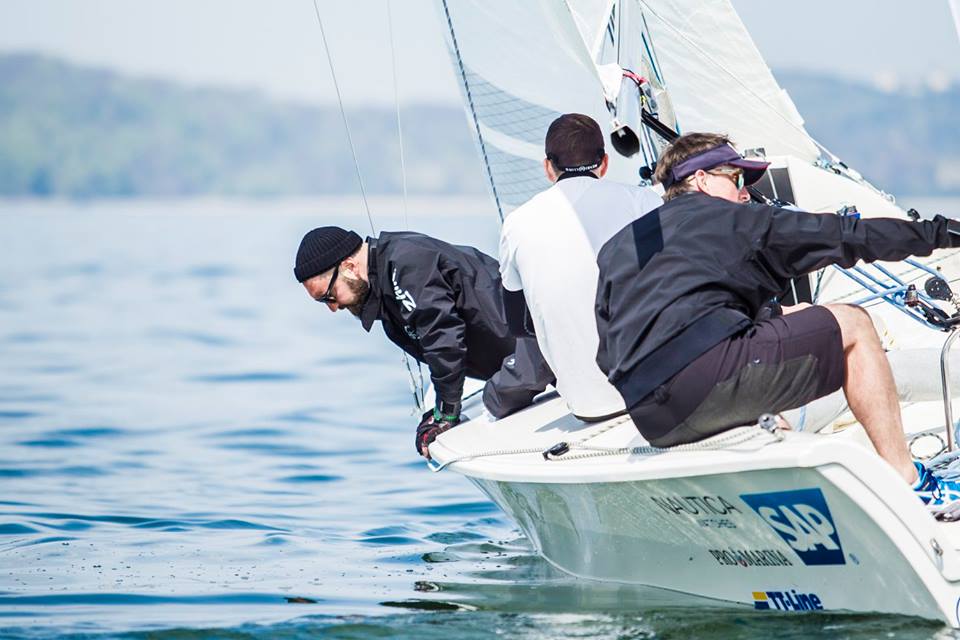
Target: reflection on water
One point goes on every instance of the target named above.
(188, 443)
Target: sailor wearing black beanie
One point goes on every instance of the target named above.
(440, 303)
(322, 249)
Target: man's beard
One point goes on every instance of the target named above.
(360, 289)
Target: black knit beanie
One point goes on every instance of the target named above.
(322, 248)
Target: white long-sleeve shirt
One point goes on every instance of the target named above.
(548, 249)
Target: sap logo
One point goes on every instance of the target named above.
(803, 520)
(787, 601)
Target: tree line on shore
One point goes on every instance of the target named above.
(77, 132)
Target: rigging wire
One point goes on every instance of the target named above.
(473, 110)
(396, 98)
(618, 9)
(419, 394)
(651, 49)
(418, 391)
(343, 114)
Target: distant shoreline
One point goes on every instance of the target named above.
(68, 131)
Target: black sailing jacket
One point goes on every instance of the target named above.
(442, 304)
(697, 270)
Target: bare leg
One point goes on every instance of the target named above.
(870, 389)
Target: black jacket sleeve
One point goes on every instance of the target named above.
(796, 243)
(426, 289)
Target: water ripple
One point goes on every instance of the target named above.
(212, 271)
(16, 473)
(310, 478)
(386, 531)
(66, 525)
(237, 524)
(17, 415)
(291, 451)
(452, 509)
(135, 598)
(63, 540)
(14, 529)
(80, 522)
(53, 443)
(265, 433)
(252, 376)
(452, 537)
(89, 432)
(389, 541)
(194, 337)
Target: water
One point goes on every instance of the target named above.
(190, 448)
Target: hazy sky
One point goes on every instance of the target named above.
(276, 46)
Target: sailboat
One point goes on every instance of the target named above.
(806, 519)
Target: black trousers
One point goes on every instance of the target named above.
(772, 366)
(522, 376)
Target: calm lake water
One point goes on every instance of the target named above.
(190, 448)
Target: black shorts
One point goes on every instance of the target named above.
(775, 365)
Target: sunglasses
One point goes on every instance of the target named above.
(735, 175)
(328, 296)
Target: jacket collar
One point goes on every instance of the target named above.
(371, 308)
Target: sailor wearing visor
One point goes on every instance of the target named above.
(440, 303)
(681, 289)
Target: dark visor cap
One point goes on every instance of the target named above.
(724, 154)
(324, 248)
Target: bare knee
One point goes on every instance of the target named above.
(855, 323)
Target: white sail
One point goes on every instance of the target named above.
(521, 64)
(716, 77)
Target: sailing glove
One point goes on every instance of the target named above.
(434, 422)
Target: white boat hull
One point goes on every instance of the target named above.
(812, 522)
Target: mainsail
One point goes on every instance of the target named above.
(521, 64)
